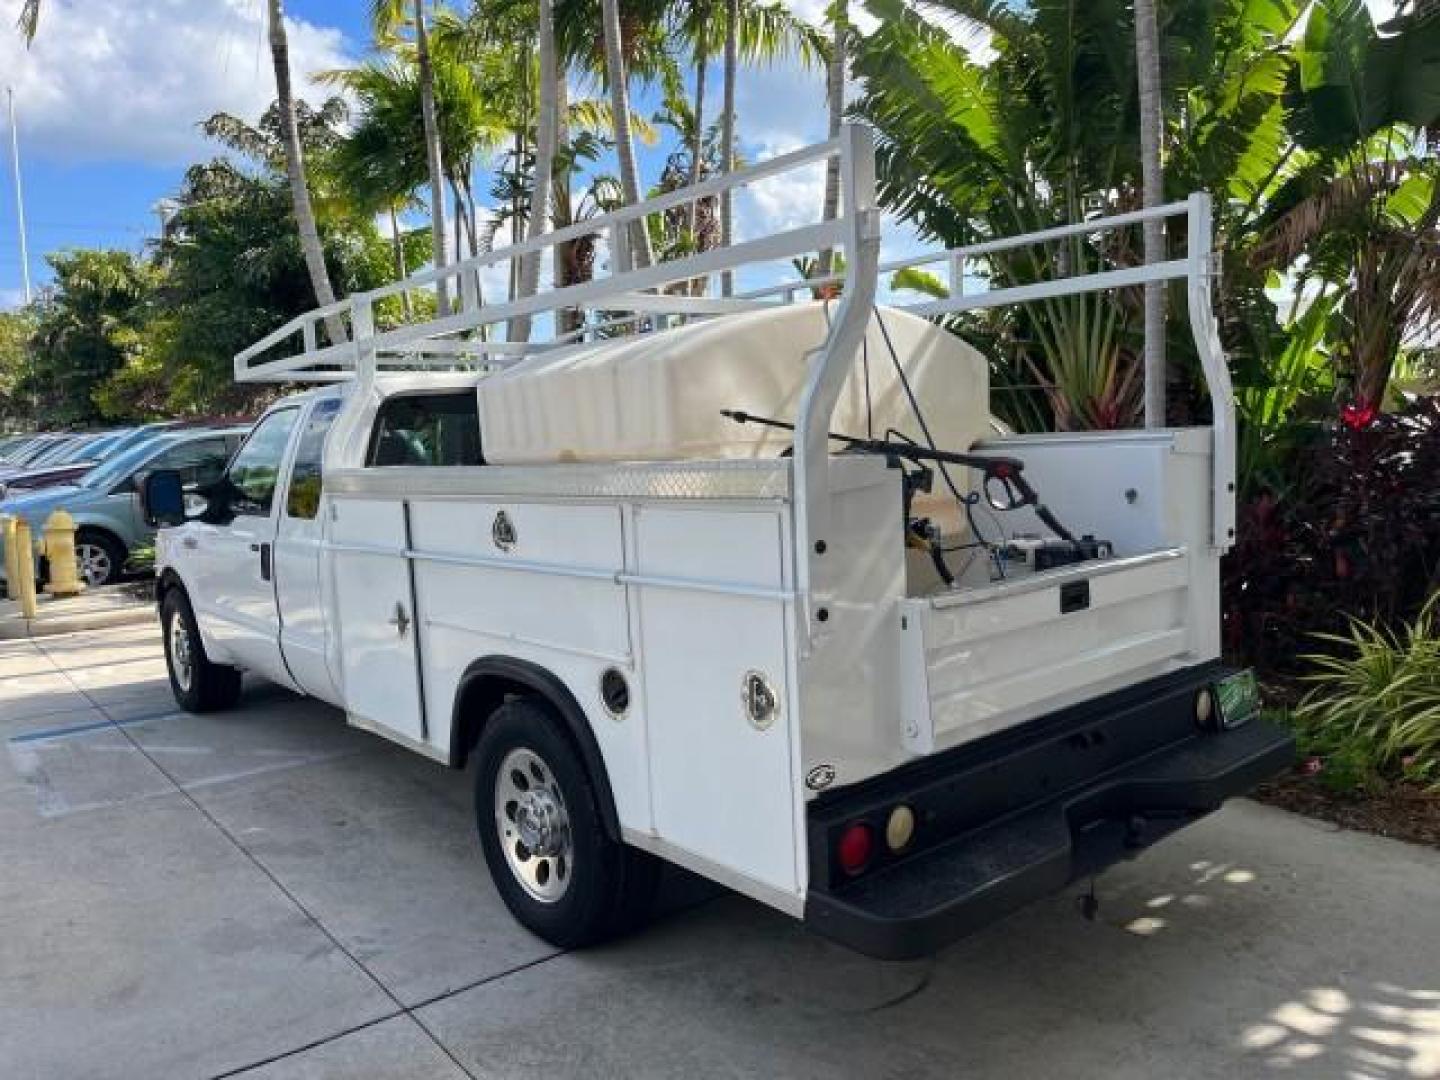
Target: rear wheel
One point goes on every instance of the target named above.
(99, 559)
(198, 684)
(544, 841)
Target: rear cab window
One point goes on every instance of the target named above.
(302, 499)
(427, 430)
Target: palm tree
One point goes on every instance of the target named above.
(1363, 210)
(295, 170)
(693, 228)
(835, 100)
(699, 12)
(727, 133)
(1152, 187)
(387, 16)
(381, 163)
(434, 159)
(545, 138)
(751, 31)
(1046, 132)
(618, 79)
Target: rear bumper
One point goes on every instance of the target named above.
(1013, 819)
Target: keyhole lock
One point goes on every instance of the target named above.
(761, 703)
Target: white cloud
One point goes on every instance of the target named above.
(11, 298)
(121, 80)
(813, 11)
(777, 203)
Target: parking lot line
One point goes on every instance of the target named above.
(71, 730)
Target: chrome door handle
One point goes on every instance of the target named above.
(190, 542)
(400, 620)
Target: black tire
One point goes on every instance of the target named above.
(209, 686)
(109, 553)
(605, 887)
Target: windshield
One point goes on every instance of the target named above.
(54, 451)
(131, 438)
(85, 448)
(97, 450)
(34, 450)
(13, 445)
(121, 466)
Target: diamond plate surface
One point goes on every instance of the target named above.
(682, 481)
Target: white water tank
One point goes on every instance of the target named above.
(658, 397)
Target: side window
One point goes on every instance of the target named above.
(198, 462)
(303, 499)
(256, 467)
(427, 429)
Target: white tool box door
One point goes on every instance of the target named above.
(721, 784)
(377, 621)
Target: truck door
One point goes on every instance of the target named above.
(238, 590)
(298, 583)
(379, 627)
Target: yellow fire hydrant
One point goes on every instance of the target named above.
(19, 566)
(57, 544)
(12, 563)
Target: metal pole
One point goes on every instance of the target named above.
(19, 195)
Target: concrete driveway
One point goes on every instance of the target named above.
(268, 893)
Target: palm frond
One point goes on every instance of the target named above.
(29, 20)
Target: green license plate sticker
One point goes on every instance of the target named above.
(1239, 698)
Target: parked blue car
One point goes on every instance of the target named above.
(105, 502)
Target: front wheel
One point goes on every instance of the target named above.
(99, 559)
(540, 828)
(199, 685)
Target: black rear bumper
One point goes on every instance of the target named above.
(1011, 819)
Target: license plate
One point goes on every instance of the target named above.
(1238, 697)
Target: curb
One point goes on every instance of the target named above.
(14, 627)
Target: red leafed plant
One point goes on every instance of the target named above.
(1357, 534)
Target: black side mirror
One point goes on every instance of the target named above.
(162, 498)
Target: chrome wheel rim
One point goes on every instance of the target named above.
(93, 563)
(534, 826)
(182, 663)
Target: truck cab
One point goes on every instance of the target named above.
(249, 553)
(746, 584)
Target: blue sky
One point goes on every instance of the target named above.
(111, 92)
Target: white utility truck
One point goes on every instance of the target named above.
(855, 670)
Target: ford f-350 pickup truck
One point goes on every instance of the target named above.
(747, 583)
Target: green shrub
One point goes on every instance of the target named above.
(1373, 711)
(141, 559)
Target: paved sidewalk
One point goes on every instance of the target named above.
(127, 604)
(268, 893)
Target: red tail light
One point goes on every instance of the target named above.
(857, 844)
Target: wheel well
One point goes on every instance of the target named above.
(167, 580)
(489, 682)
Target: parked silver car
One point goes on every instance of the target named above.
(105, 501)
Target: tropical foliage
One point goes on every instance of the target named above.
(1373, 714)
(85, 328)
(1312, 143)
